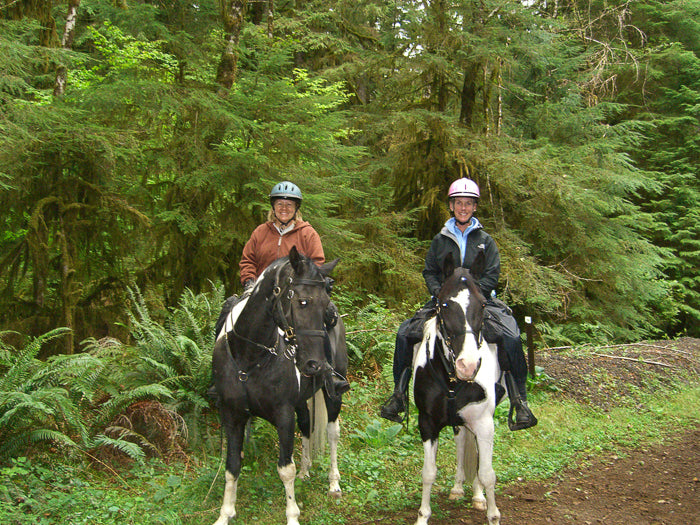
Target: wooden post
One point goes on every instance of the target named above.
(530, 347)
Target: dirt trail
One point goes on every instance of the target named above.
(649, 485)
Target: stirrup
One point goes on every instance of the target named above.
(520, 423)
(393, 415)
(340, 385)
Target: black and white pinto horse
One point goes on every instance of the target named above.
(455, 374)
(268, 360)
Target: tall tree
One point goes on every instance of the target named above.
(66, 43)
(233, 16)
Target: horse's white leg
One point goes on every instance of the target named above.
(429, 474)
(471, 459)
(333, 431)
(228, 508)
(486, 474)
(305, 458)
(460, 446)
(287, 475)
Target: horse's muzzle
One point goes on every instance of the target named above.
(313, 367)
(466, 370)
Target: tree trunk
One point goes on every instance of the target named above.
(499, 103)
(68, 292)
(59, 87)
(270, 18)
(232, 13)
(468, 95)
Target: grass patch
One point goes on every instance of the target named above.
(380, 468)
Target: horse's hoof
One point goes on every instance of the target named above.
(479, 504)
(223, 520)
(456, 493)
(335, 494)
(303, 474)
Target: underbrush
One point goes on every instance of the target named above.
(90, 477)
(380, 466)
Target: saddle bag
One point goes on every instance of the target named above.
(498, 321)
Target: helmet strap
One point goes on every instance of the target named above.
(292, 219)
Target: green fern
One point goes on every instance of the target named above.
(35, 403)
(16, 443)
(118, 404)
(176, 352)
(133, 450)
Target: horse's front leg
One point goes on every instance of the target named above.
(304, 422)
(484, 432)
(460, 456)
(286, 468)
(235, 430)
(333, 431)
(429, 473)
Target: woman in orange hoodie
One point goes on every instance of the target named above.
(273, 239)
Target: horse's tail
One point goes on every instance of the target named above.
(319, 422)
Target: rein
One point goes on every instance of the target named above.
(450, 385)
(289, 331)
(289, 338)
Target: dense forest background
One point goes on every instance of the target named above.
(139, 141)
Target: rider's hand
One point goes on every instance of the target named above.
(330, 316)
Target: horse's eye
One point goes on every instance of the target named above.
(303, 303)
(445, 305)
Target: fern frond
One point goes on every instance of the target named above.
(128, 434)
(114, 406)
(163, 370)
(18, 442)
(133, 450)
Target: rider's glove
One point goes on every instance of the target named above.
(330, 316)
(248, 285)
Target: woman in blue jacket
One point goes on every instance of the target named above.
(463, 237)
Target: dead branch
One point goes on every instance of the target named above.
(634, 359)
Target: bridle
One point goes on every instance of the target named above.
(448, 356)
(284, 288)
(452, 384)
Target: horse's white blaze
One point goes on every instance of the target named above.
(468, 358)
(228, 508)
(287, 475)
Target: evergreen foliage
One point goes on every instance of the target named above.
(154, 165)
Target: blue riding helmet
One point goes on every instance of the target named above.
(286, 190)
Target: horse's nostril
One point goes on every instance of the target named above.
(313, 367)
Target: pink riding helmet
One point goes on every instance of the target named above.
(463, 188)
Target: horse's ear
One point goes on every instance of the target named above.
(296, 260)
(479, 265)
(328, 267)
(448, 266)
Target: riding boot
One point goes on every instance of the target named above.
(340, 384)
(517, 393)
(398, 402)
(335, 384)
